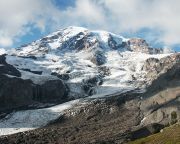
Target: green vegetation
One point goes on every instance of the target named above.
(169, 135)
(173, 117)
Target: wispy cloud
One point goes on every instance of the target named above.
(162, 17)
(17, 17)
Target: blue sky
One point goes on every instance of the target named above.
(157, 21)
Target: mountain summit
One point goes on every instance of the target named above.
(78, 38)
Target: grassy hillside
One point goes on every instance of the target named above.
(170, 135)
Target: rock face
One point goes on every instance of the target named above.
(16, 92)
(156, 67)
(7, 69)
(51, 91)
(163, 95)
(140, 45)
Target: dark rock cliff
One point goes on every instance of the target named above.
(16, 92)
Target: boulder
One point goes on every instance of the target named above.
(146, 131)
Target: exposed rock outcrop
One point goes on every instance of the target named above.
(163, 95)
(155, 67)
(140, 45)
(7, 69)
(16, 92)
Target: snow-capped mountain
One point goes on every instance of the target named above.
(74, 63)
(89, 62)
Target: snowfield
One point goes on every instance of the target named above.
(32, 119)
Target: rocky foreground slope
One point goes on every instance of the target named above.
(115, 89)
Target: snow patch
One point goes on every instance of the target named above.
(31, 119)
